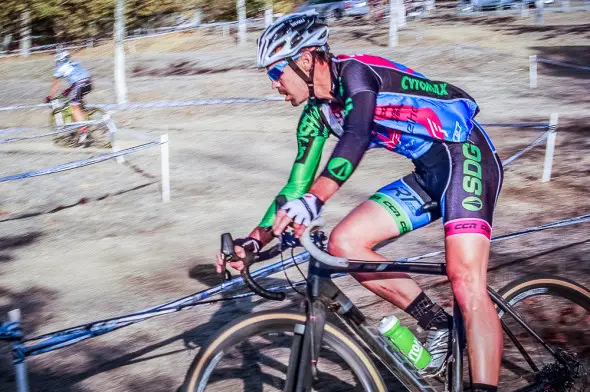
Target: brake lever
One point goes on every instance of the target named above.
(228, 254)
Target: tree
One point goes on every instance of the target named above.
(56, 21)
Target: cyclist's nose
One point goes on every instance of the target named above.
(275, 84)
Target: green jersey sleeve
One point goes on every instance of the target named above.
(312, 133)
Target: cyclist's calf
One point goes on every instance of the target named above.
(467, 261)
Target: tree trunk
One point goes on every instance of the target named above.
(25, 33)
(242, 29)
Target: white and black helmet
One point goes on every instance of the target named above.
(61, 55)
(289, 34)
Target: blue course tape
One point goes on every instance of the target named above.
(16, 139)
(10, 330)
(73, 165)
(581, 67)
(41, 105)
(66, 337)
(517, 125)
(13, 130)
(172, 104)
(67, 128)
(537, 141)
(158, 104)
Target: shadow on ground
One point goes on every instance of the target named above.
(83, 200)
(574, 55)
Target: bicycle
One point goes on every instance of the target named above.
(61, 116)
(305, 335)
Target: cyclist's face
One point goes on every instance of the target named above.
(289, 83)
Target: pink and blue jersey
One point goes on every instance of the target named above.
(405, 111)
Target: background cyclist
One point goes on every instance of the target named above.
(80, 85)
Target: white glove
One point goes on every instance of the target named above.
(303, 210)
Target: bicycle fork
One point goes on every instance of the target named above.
(307, 339)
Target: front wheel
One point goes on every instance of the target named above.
(253, 353)
(558, 310)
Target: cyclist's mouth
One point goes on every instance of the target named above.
(286, 95)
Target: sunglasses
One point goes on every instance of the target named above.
(275, 73)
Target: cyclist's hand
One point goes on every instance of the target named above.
(241, 247)
(48, 99)
(299, 213)
(237, 265)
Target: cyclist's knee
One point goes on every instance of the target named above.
(343, 242)
(467, 259)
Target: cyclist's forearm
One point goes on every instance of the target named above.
(262, 234)
(54, 87)
(324, 188)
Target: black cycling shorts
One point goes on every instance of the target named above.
(77, 90)
(463, 178)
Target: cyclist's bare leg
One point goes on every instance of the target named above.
(467, 262)
(356, 235)
(77, 113)
(78, 116)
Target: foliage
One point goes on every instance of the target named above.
(67, 20)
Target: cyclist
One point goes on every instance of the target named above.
(367, 102)
(80, 85)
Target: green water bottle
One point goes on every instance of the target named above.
(405, 341)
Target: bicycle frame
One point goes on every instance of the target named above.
(324, 295)
(60, 104)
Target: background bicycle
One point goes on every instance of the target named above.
(61, 115)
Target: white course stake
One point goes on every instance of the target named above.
(539, 12)
(401, 14)
(393, 38)
(565, 5)
(550, 149)
(113, 134)
(120, 84)
(524, 10)
(242, 23)
(268, 15)
(533, 71)
(25, 33)
(165, 168)
(20, 367)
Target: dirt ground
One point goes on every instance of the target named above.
(97, 242)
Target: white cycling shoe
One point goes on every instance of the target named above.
(437, 344)
(82, 139)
